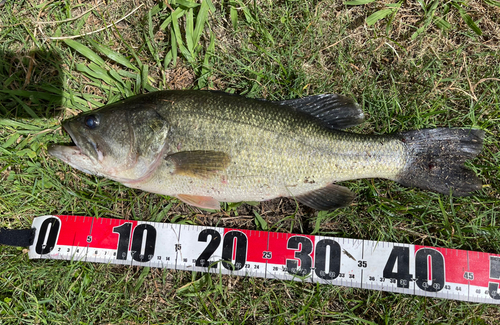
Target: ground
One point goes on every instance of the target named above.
(426, 64)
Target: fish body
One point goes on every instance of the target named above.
(207, 147)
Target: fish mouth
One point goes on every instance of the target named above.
(83, 154)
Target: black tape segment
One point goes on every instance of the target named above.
(17, 237)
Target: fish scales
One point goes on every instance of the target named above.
(274, 151)
(205, 147)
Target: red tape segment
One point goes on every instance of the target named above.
(410, 269)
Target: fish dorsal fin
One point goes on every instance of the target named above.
(334, 111)
(205, 202)
(329, 197)
(199, 163)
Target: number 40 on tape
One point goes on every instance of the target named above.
(410, 269)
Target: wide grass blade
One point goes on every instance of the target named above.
(114, 56)
(11, 140)
(234, 16)
(178, 38)
(179, 12)
(468, 20)
(85, 51)
(201, 18)
(378, 15)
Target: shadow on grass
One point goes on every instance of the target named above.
(30, 84)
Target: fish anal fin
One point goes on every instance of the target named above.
(205, 202)
(329, 197)
(331, 110)
(199, 163)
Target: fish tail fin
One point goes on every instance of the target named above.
(436, 160)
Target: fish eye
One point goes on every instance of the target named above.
(91, 122)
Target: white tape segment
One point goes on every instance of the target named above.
(409, 269)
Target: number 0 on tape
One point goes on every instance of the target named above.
(410, 269)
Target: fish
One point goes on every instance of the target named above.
(207, 147)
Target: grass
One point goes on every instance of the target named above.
(276, 50)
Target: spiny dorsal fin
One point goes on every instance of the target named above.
(326, 198)
(334, 111)
(199, 163)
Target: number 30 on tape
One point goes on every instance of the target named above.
(410, 269)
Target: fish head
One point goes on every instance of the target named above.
(122, 141)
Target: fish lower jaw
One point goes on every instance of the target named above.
(73, 156)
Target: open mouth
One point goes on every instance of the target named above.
(82, 145)
(73, 144)
(80, 153)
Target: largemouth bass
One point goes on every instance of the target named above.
(207, 147)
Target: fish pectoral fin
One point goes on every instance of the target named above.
(332, 110)
(205, 202)
(326, 198)
(199, 163)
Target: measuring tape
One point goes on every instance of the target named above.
(410, 269)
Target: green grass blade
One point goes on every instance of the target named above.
(11, 140)
(248, 15)
(17, 124)
(174, 46)
(85, 51)
(178, 38)
(206, 69)
(167, 59)
(468, 20)
(441, 23)
(31, 94)
(378, 15)
(97, 75)
(260, 222)
(114, 56)
(189, 31)
(25, 107)
(234, 17)
(179, 12)
(150, 40)
(493, 3)
(211, 6)
(116, 77)
(187, 4)
(144, 75)
(157, 8)
(201, 18)
(358, 2)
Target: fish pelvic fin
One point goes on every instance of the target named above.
(205, 202)
(329, 197)
(199, 163)
(331, 110)
(436, 160)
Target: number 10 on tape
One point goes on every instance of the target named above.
(410, 269)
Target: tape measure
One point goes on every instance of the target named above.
(394, 267)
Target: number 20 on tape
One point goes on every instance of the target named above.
(410, 269)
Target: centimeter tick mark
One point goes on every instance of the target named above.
(429, 271)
